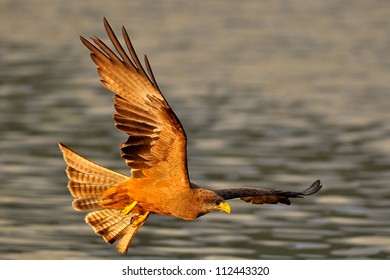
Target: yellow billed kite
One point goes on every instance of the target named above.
(155, 151)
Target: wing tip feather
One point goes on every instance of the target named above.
(315, 187)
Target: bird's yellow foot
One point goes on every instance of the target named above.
(128, 208)
(139, 219)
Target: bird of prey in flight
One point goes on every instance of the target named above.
(155, 151)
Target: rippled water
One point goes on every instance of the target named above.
(271, 94)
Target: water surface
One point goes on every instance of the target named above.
(273, 95)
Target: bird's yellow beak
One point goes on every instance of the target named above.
(224, 206)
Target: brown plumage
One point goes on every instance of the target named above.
(155, 151)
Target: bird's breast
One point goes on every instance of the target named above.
(159, 197)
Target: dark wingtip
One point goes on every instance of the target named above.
(106, 24)
(83, 39)
(315, 187)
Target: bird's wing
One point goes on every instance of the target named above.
(157, 141)
(266, 196)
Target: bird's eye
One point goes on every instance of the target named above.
(218, 202)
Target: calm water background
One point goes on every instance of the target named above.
(271, 94)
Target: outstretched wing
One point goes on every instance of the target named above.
(157, 141)
(265, 196)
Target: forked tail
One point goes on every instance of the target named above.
(87, 183)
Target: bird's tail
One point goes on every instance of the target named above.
(87, 183)
(87, 180)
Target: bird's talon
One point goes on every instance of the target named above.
(128, 208)
(139, 219)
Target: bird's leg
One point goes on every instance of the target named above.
(139, 219)
(128, 208)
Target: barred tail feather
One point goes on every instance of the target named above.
(112, 226)
(83, 204)
(87, 180)
(87, 183)
(85, 189)
(126, 238)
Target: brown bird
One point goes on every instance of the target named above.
(155, 151)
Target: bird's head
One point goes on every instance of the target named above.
(209, 201)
